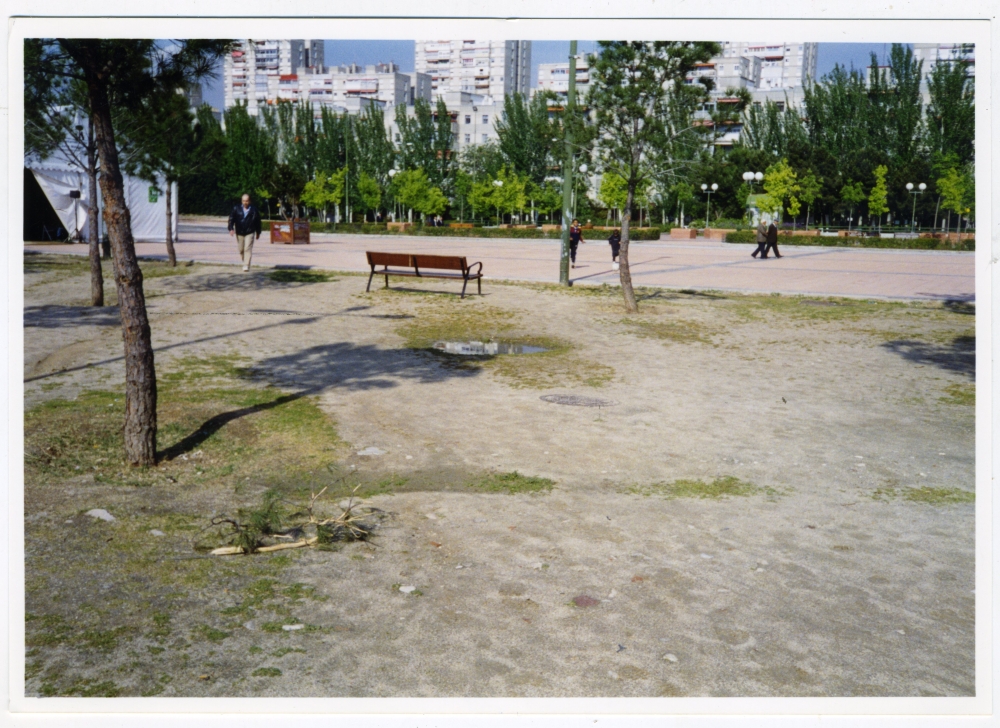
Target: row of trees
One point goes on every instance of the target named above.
(853, 146)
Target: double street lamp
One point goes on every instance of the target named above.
(708, 206)
(750, 178)
(919, 191)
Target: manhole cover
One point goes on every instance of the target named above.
(577, 401)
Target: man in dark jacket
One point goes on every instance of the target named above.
(615, 241)
(772, 240)
(244, 222)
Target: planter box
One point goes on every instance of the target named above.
(289, 233)
(683, 234)
(549, 228)
(526, 227)
(463, 225)
(714, 233)
(847, 233)
(401, 226)
(805, 232)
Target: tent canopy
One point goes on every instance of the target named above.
(59, 177)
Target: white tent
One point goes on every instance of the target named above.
(59, 177)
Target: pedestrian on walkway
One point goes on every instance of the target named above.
(761, 238)
(772, 240)
(615, 241)
(575, 238)
(244, 223)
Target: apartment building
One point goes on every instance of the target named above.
(934, 53)
(788, 64)
(252, 70)
(554, 77)
(485, 67)
(474, 119)
(336, 85)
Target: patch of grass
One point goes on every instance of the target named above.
(255, 649)
(513, 482)
(451, 320)
(266, 672)
(212, 634)
(159, 268)
(961, 394)
(213, 428)
(85, 688)
(726, 487)
(286, 650)
(161, 626)
(104, 640)
(925, 494)
(674, 331)
(300, 276)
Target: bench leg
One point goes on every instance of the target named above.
(465, 282)
(387, 281)
(479, 284)
(369, 286)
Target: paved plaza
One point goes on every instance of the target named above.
(696, 264)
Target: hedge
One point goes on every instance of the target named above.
(475, 232)
(750, 236)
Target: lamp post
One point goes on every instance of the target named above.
(498, 183)
(919, 191)
(392, 173)
(750, 178)
(708, 205)
(568, 167)
(583, 170)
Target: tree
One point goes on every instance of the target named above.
(632, 87)
(56, 114)
(852, 194)
(288, 184)
(877, 197)
(200, 188)
(413, 189)
(951, 113)
(375, 154)
(249, 158)
(956, 192)
(369, 193)
(684, 192)
(123, 74)
(780, 185)
(771, 128)
(810, 187)
(613, 191)
(324, 190)
(526, 134)
(162, 147)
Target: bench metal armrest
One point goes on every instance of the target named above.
(468, 272)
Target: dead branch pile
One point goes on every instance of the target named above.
(271, 528)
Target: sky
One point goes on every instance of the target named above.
(366, 52)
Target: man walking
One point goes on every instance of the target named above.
(615, 241)
(244, 222)
(772, 240)
(761, 238)
(575, 238)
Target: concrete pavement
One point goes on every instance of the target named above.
(695, 264)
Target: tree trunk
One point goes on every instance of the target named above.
(937, 207)
(171, 253)
(623, 272)
(94, 232)
(140, 374)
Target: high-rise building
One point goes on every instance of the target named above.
(492, 68)
(934, 53)
(252, 70)
(554, 77)
(784, 65)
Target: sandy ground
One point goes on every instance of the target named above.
(818, 589)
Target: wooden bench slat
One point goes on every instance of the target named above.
(389, 259)
(444, 262)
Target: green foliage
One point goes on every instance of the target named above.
(266, 672)
(526, 135)
(413, 189)
(513, 483)
(877, 205)
(780, 184)
(771, 128)
(369, 193)
(956, 191)
(613, 191)
(951, 122)
(726, 487)
(249, 157)
(748, 236)
(288, 184)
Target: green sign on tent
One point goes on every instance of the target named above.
(154, 194)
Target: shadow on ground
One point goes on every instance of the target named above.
(55, 317)
(349, 366)
(958, 356)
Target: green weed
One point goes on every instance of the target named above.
(300, 276)
(961, 394)
(513, 483)
(725, 487)
(266, 672)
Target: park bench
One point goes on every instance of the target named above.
(394, 263)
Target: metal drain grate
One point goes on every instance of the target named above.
(577, 401)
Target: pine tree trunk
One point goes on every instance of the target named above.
(171, 253)
(140, 374)
(94, 232)
(623, 271)
(937, 207)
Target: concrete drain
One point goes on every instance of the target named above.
(577, 401)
